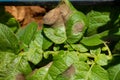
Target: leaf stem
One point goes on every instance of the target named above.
(88, 73)
(109, 52)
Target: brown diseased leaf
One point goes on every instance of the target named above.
(65, 11)
(20, 77)
(27, 14)
(78, 27)
(52, 16)
(69, 72)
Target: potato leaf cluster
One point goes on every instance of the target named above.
(71, 45)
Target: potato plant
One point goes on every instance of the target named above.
(72, 45)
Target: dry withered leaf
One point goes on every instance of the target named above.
(37, 9)
(27, 14)
(51, 17)
(18, 12)
(64, 10)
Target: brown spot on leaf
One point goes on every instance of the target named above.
(78, 27)
(69, 72)
(20, 77)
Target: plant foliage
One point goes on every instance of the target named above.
(70, 46)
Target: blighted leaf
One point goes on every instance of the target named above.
(8, 40)
(92, 40)
(52, 16)
(93, 72)
(56, 34)
(39, 74)
(12, 66)
(34, 53)
(96, 20)
(114, 72)
(67, 74)
(27, 33)
(76, 25)
(60, 64)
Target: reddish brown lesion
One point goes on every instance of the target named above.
(69, 72)
(20, 77)
(57, 16)
(78, 27)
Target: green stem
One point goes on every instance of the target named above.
(88, 73)
(109, 52)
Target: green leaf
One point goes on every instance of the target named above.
(117, 48)
(84, 72)
(8, 41)
(96, 20)
(56, 34)
(60, 63)
(46, 43)
(96, 51)
(47, 53)
(11, 66)
(39, 74)
(27, 33)
(66, 66)
(7, 19)
(93, 72)
(114, 72)
(101, 59)
(76, 47)
(92, 40)
(98, 73)
(34, 53)
(75, 26)
(13, 24)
